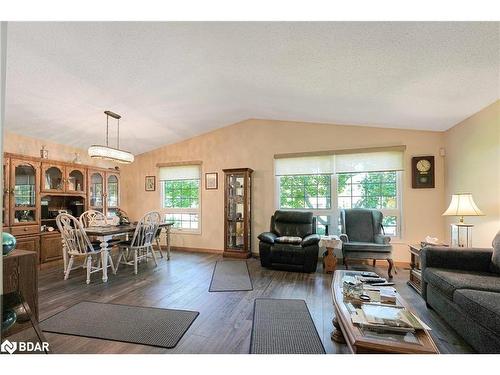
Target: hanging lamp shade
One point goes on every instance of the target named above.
(111, 153)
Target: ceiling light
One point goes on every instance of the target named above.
(111, 153)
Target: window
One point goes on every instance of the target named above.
(377, 190)
(180, 196)
(325, 184)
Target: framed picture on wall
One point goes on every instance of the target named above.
(150, 183)
(211, 181)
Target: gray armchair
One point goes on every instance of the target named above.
(362, 238)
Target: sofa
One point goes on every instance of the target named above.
(291, 243)
(363, 236)
(463, 286)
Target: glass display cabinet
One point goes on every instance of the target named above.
(112, 194)
(75, 180)
(53, 178)
(96, 190)
(24, 189)
(237, 212)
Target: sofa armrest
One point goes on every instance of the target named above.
(268, 237)
(382, 239)
(459, 258)
(309, 240)
(344, 238)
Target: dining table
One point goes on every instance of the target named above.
(106, 233)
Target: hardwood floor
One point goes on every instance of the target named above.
(225, 319)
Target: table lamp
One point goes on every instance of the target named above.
(462, 205)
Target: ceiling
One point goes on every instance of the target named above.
(171, 81)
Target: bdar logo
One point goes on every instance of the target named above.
(9, 347)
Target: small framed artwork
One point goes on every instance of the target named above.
(150, 183)
(422, 172)
(211, 181)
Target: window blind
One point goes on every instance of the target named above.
(343, 162)
(304, 165)
(369, 162)
(181, 172)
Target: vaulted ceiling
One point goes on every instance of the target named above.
(174, 80)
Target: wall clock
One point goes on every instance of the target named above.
(422, 172)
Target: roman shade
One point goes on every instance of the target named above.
(380, 161)
(304, 165)
(341, 161)
(180, 172)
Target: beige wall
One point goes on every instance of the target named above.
(473, 165)
(253, 143)
(19, 144)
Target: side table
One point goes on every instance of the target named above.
(415, 280)
(329, 258)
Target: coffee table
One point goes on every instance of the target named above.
(366, 341)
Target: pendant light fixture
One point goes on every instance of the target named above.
(111, 153)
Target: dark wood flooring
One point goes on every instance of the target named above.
(225, 319)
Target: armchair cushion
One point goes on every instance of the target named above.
(366, 246)
(495, 257)
(312, 239)
(268, 237)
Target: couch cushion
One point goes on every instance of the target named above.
(287, 254)
(482, 306)
(495, 257)
(366, 246)
(447, 281)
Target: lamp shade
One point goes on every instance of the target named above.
(462, 205)
(110, 153)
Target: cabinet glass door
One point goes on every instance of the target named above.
(24, 194)
(53, 178)
(76, 181)
(235, 211)
(96, 191)
(112, 193)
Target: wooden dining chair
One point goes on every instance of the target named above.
(77, 244)
(93, 218)
(141, 245)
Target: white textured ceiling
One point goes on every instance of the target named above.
(171, 81)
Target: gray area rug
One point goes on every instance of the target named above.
(135, 324)
(230, 276)
(284, 326)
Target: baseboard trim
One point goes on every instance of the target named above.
(194, 249)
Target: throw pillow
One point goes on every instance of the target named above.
(289, 240)
(495, 257)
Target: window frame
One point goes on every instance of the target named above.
(183, 210)
(334, 211)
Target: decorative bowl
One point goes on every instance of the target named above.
(8, 242)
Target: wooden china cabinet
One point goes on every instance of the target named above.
(103, 191)
(35, 190)
(237, 212)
